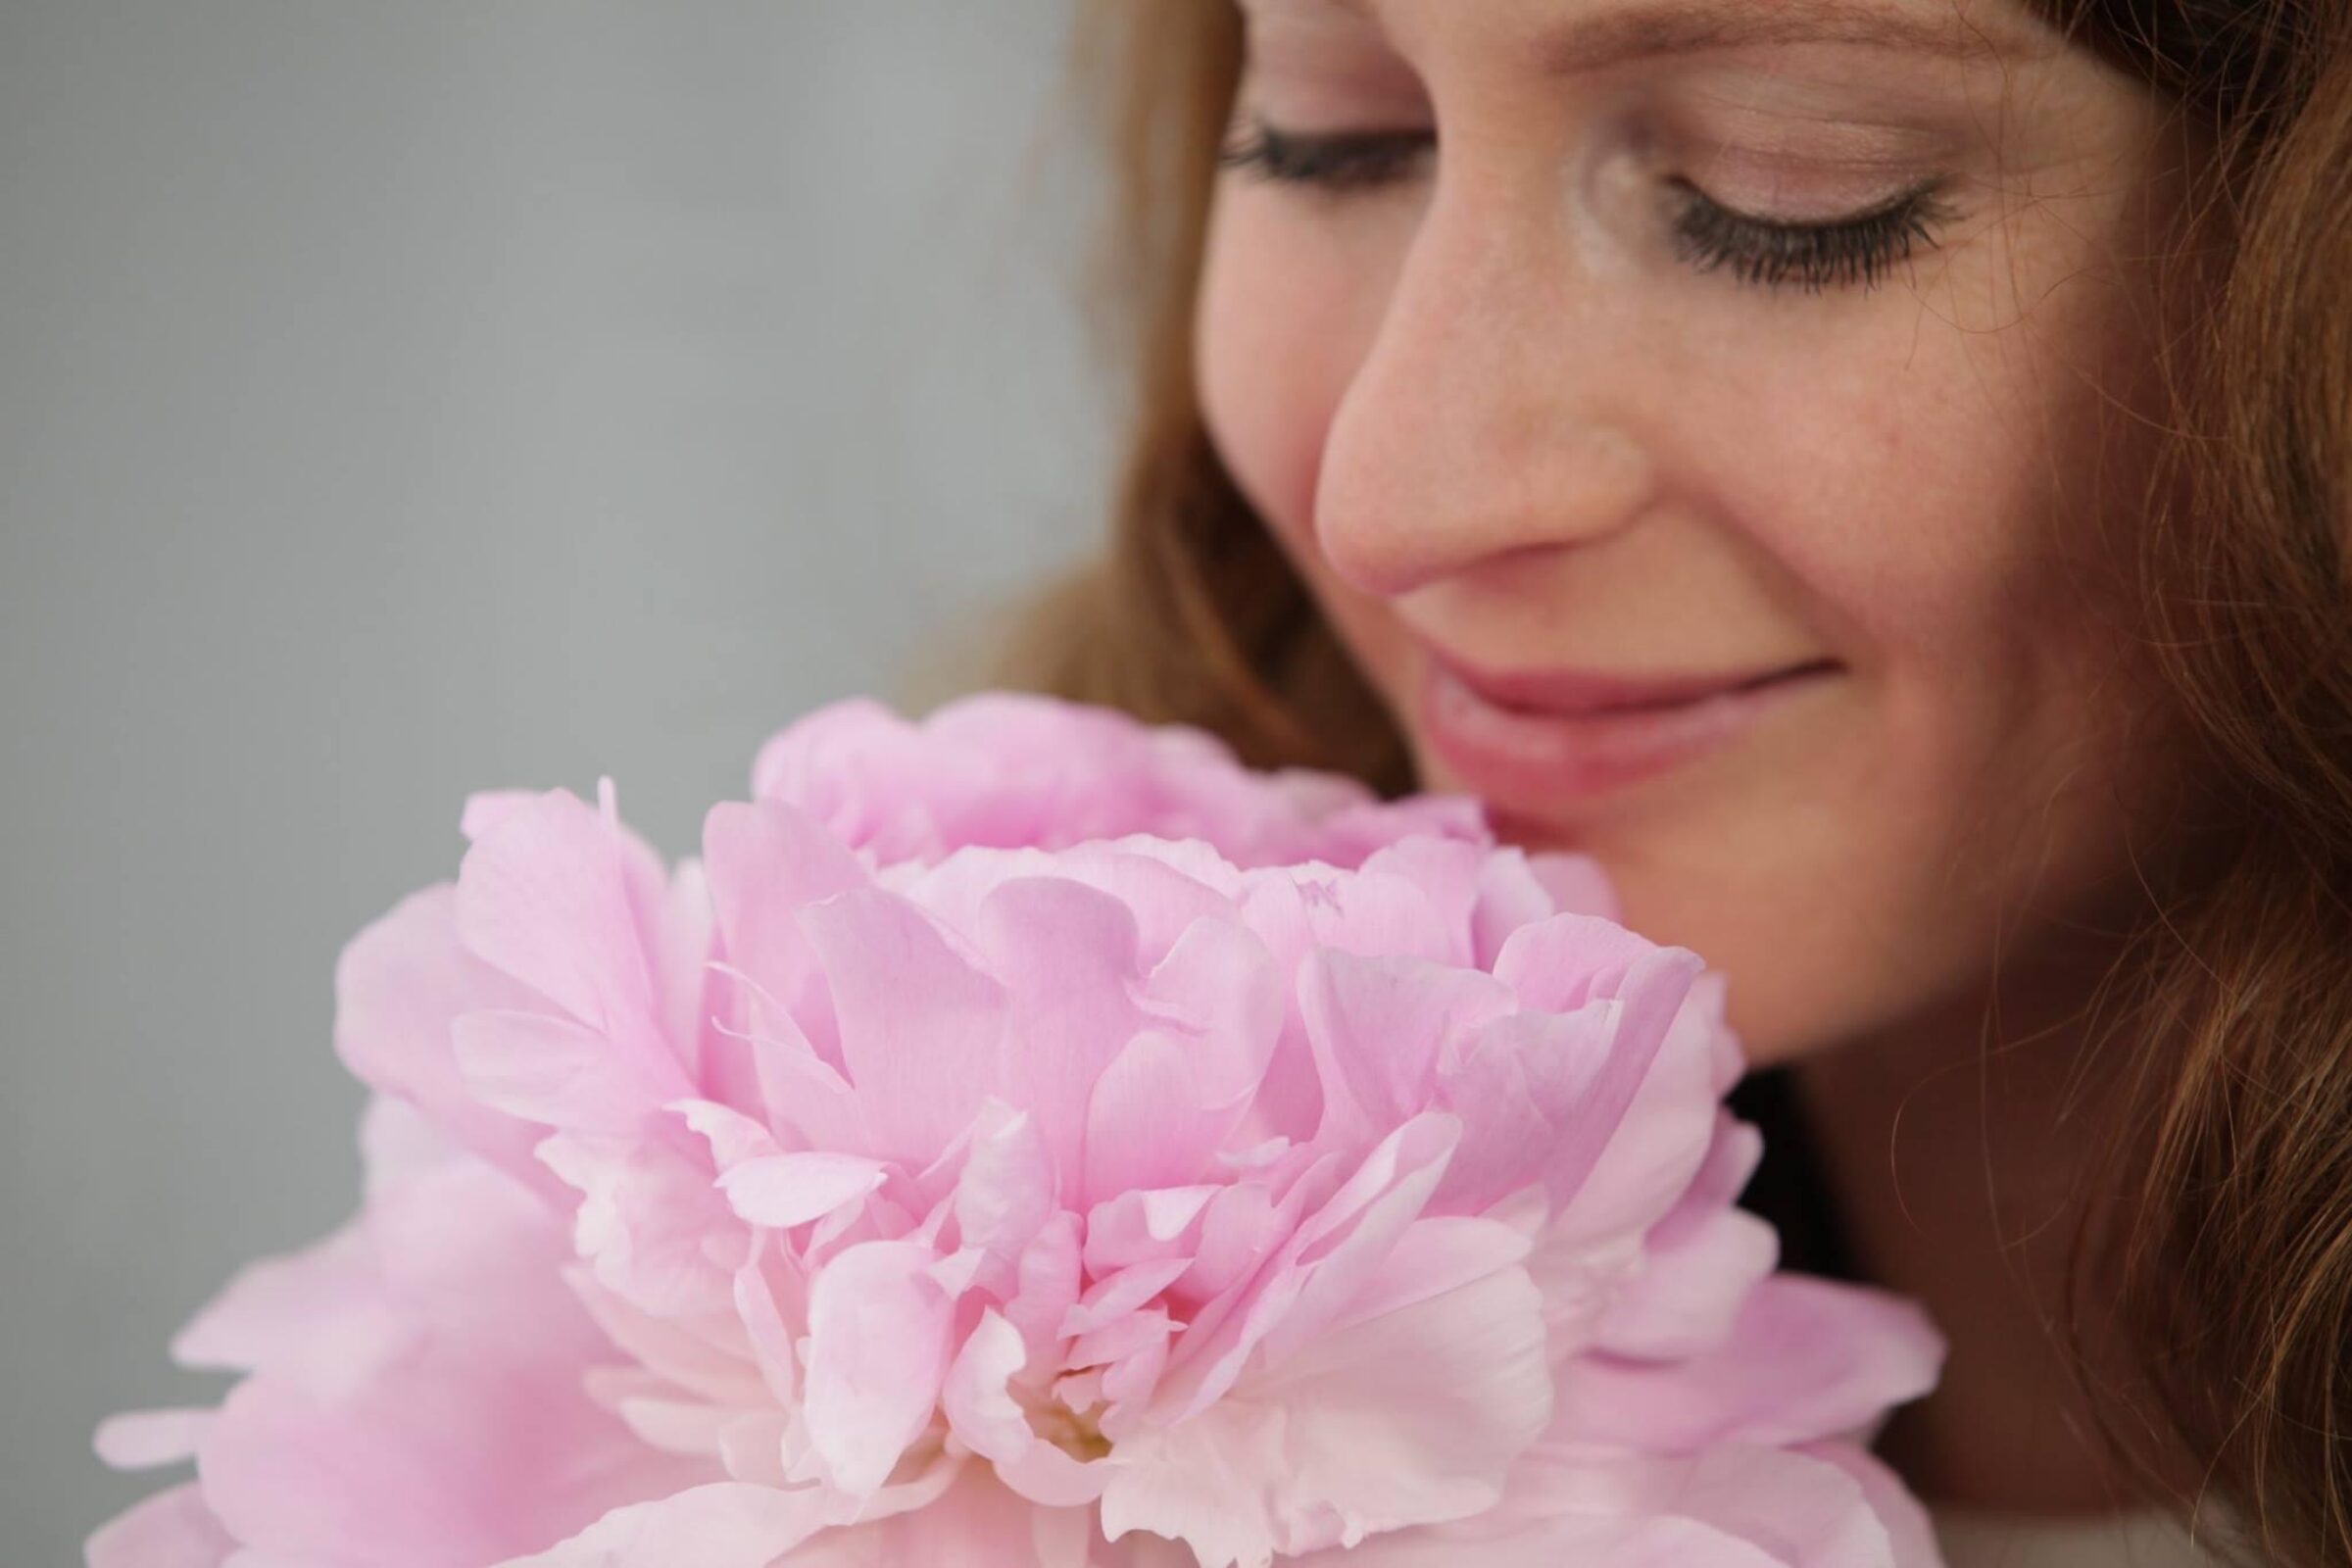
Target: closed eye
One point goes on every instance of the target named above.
(1704, 233)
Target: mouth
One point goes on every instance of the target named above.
(1547, 738)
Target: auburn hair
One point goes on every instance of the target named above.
(2224, 1271)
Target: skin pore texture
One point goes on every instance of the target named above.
(1558, 359)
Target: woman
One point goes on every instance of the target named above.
(1878, 475)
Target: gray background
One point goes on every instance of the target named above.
(401, 397)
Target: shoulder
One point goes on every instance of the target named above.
(1975, 1540)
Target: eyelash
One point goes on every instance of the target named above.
(1707, 235)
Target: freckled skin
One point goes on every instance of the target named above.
(1486, 406)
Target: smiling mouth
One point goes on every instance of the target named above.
(1539, 740)
(1569, 694)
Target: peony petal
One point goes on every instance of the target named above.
(1808, 1360)
(651, 1221)
(553, 1072)
(1583, 1540)
(783, 1191)
(173, 1529)
(1147, 1123)
(324, 1306)
(767, 861)
(1052, 1479)
(1518, 1084)
(1145, 1226)
(979, 1410)
(723, 1524)
(1065, 954)
(1412, 1417)
(920, 1027)
(1576, 883)
(1219, 982)
(1796, 1508)
(1345, 1246)
(878, 1355)
(733, 1137)
(544, 897)
(1377, 1026)
(142, 1439)
(439, 1458)
(1005, 1195)
(1686, 1298)
(771, 1337)
(398, 986)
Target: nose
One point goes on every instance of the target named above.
(1480, 423)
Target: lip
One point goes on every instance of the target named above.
(1539, 738)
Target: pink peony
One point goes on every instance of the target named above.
(1028, 1137)
(1003, 770)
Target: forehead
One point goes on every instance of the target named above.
(1569, 36)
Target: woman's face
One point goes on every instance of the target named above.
(1718, 429)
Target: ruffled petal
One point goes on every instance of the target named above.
(1807, 1360)
(173, 1529)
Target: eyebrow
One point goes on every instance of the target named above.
(1621, 35)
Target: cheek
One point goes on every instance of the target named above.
(1284, 316)
(1949, 510)
(1286, 313)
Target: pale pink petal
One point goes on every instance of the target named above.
(1408, 1418)
(173, 1529)
(1559, 965)
(1377, 1026)
(1807, 1360)
(544, 897)
(1065, 954)
(1144, 1226)
(733, 1137)
(767, 861)
(550, 1070)
(485, 809)
(668, 1351)
(1570, 1541)
(1576, 883)
(141, 1439)
(678, 928)
(1806, 1512)
(1055, 1480)
(988, 1419)
(769, 1334)
(1149, 1124)
(1345, 1248)
(1114, 1297)
(921, 1030)
(788, 1190)
(1218, 984)
(435, 1460)
(652, 1220)
(1004, 1196)
(1686, 1298)
(398, 986)
(1826, 1506)
(1518, 1083)
(323, 1305)
(1910, 1531)
(1431, 1258)
(878, 1355)
(978, 1523)
(726, 1524)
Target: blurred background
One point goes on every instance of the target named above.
(405, 397)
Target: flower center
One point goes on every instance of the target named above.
(1078, 1434)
